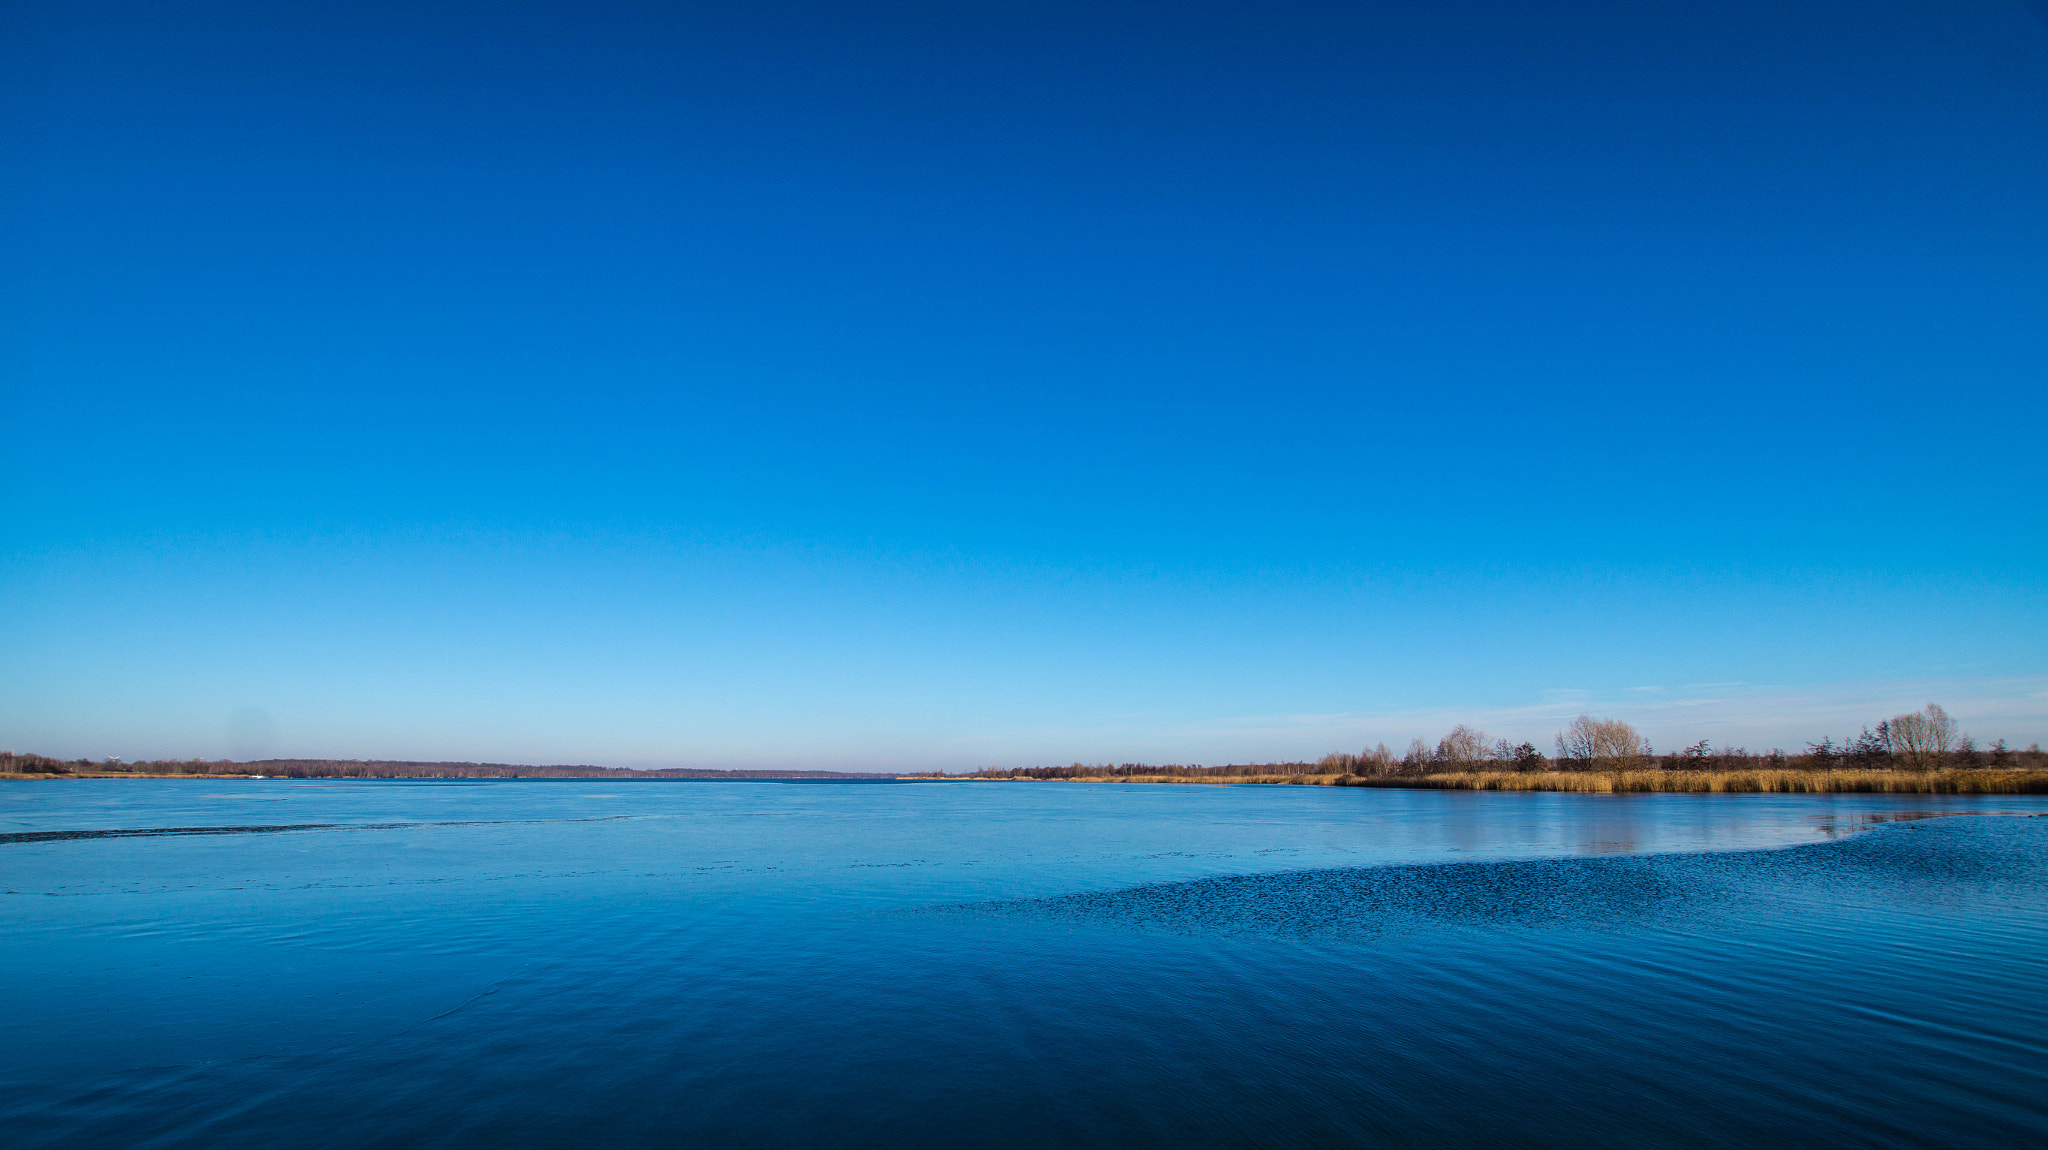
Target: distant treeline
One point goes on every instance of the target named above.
(1926, 740)
(13, 763)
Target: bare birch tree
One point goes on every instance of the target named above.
(1463, 747)
(1417, 760)
(1922, 738)
(1380, 760)
(1607, 743)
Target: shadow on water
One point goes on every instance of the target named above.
(1836, 825)
(1597, 890)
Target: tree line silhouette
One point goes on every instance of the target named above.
(1924, 740)
(28, 764)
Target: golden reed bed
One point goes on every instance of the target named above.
(1761, 781)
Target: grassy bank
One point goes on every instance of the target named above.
(1763, 781)
(1917, 753)
(1792, 781)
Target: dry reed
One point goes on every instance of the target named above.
(1652, 780)
(1759, 781)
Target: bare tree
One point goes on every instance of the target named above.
(1576, 743)
(1417, 760)
(1922, 738)
(1602, 742)
(1463, 747)
(1619, 744)
(1379, 760)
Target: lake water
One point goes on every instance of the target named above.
(809, 964)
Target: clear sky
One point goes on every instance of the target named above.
(870, 385)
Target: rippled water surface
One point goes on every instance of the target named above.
(546, 963)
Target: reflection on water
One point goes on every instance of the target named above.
(1612, 836)
(509, 964)
(1835, 825)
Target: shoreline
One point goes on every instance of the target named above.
(46, 776)
(1790, 780)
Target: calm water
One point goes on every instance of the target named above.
(763, 964)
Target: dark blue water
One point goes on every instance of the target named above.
(760, 964)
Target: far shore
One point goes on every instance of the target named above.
(636, 777)
(15, 765)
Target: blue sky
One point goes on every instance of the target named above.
(960, 384)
